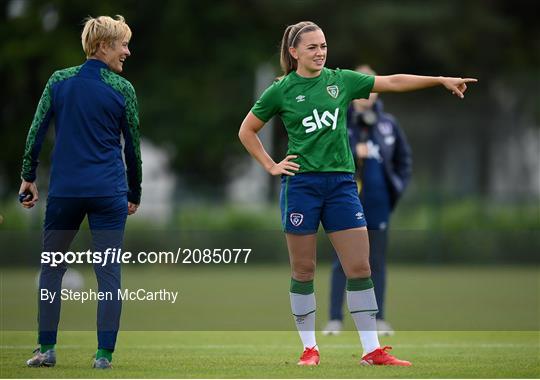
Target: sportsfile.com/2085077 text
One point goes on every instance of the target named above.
(181, 256)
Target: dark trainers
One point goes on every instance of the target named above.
(102, 363)
(45, 359)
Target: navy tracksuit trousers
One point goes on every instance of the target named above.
(107, 219)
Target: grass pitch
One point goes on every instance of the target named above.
(274, 355)
(419, 299)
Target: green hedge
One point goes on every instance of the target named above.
(465, 230)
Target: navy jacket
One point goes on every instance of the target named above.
(92, 108)
(394, 148)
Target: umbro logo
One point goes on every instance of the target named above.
(300, 98)
(359, 215)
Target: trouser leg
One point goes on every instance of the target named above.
(107, 218)
(337, 290)
(377, 262)
(63, 217)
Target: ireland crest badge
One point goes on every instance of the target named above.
(333, 91)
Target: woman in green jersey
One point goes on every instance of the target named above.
(317, 176)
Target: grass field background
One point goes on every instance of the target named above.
(255, 297)
(262, 354)
(430, 305)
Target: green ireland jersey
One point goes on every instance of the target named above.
(314, 111)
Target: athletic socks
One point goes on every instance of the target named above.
(303, 309)
(363, 307)
(46, 347)
(104, 353)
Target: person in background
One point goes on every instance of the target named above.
(383, 170)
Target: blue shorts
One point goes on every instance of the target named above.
(310, 198)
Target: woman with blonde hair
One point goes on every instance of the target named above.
(93, 108)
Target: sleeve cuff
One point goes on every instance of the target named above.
(134, 197)
(29, 177)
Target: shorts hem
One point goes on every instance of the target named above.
(343, 228)
(305, 232)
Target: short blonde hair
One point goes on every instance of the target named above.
(103, 28)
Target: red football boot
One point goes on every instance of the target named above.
(381, 357)
(309, 357)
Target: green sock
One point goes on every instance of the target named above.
(46, 347)
(104, 353)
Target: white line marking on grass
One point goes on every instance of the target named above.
(446, 345)
(184, 346)
(427, 345)
(345, 346)
(467, 345)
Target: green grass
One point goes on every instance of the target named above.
(493, 303)
(254, 297)
(274, 355)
